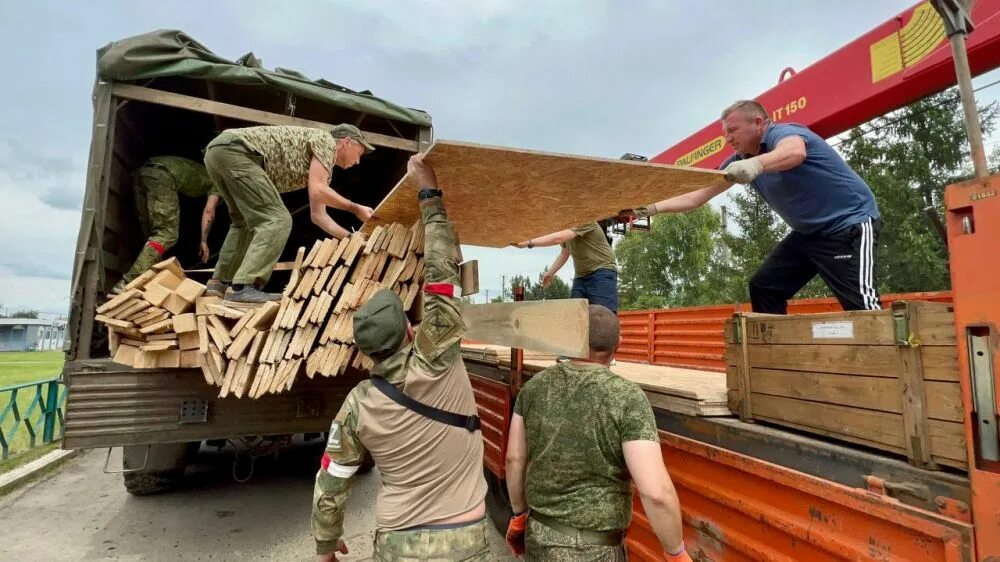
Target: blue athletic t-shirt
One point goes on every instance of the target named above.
(820, 196)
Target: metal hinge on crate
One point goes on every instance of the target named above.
(902, 334)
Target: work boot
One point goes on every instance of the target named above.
(250, 294)
(119, 288)
(216, 288)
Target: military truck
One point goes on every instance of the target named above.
(163, 93)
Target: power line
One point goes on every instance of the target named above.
(892, 122)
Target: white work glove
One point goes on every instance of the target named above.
(643, 212)
(744, 171)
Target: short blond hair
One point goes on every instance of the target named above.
(752, 108)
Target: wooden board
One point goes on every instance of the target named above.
(868, 327)
(498, 196)
(185, 323)
(940, 363)
(944, 400)
(556, 326)
(868, 427)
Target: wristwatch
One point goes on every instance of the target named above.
(531, 244)
(428, 193)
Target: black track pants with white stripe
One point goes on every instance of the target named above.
(846, 260)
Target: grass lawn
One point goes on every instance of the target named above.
(19, 368)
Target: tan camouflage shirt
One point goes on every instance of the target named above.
(576, 418)
(288, 151)
(430, 471)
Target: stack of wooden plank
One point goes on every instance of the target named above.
(314, 325)
(685, 391)
(161, 321)
(150, 324)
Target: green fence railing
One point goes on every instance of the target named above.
(35, 408)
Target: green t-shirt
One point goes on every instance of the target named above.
(590, 250)
(576, 418)
(191, 177)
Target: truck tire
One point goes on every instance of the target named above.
(155, 469)
(149, 482)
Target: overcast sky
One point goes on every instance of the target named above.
(587, 77)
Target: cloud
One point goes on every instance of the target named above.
(38, 239)
(590, 77)
(57, 180)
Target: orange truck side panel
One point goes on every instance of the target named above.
(739, 508)
(692, 337)
(973, 222)
(494, 405)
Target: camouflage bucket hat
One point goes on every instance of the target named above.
(380, 324)
(351, 132)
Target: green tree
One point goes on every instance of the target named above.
(25, 313)
(907, 158)
(675, 263)
(557, 289)
(754, 231)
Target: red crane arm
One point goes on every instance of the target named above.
(899, 62)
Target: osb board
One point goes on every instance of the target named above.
(498, 196)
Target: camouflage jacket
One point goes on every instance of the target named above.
(288, 152)
(190, 177)
(576, 417)
(436, 347)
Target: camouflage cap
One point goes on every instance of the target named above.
(351, 132)
(380, 324)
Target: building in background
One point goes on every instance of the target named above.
(30, 334)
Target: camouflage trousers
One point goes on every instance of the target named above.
(449, 544)
(159, 214)
(260, 222)
(544, 544)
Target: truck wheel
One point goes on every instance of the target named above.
(149, 482)
(160, 467)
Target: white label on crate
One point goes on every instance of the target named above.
(843, 329)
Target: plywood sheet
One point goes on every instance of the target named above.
(498, 196)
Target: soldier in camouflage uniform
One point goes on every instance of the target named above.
(579, 437)
(431, 504)
(156, 186)
(253, 167)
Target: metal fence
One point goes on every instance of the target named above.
(35, 409)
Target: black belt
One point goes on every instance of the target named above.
(603, 538)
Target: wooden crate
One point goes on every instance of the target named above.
(886, 379)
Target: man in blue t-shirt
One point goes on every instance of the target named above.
(832, 212)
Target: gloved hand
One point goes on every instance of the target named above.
(515, 533)
(681, 556)
(744, 171)
(647, 211)
(637, 213)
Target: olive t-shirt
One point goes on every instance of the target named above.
(590, 250)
